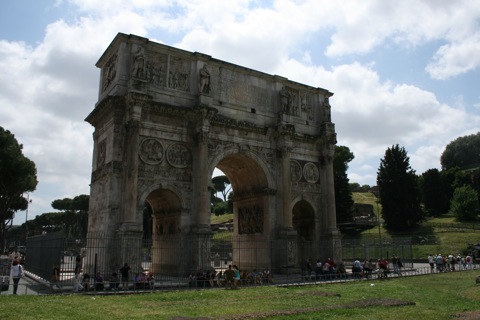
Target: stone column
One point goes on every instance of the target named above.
(135, 103)
(131, 224)
(201, 184)
(329, 235)
(130, 168)
(330, 189)
(286, 188)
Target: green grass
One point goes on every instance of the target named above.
(367, 198)
(438, 296)
(221, 219)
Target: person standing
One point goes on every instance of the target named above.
(399, 266)
(229, 277)
(237, 275)
(431, 262)
(99, 283)
(395, 265)
(357, 268)
(125, 274)
(113, 281)
(309, 270)
(78, 274)
(17, 273)
(55, 279)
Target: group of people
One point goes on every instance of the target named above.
(328, 269)
(323, 269)
(98, 283)
(83, 282)
(445, 263)
(232, 277)
(381, 267)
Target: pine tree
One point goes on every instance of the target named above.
(435, 193)
(399, 193)
(343, 193)
(18, 176)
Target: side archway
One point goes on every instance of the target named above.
(303, 216)
(166, 208)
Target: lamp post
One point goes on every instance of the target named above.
(26, 215)
(379, 230)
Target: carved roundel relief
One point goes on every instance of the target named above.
(310, 172)
(151, 151)
(178, 156)
(295, 171)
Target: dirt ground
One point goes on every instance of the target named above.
(355, 304)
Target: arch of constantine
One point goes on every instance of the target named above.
(166, 118)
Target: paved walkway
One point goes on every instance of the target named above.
(27, 285)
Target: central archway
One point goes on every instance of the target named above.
(251, 234)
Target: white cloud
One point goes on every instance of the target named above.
(456, 58)
(371, 116)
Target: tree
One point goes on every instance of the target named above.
(435, 192)
(398, 190)
(343, 193)
(222, 185)
(75, 220)
(464, 204)
(18, 176)
(463, 152)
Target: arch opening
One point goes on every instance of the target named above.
(247, 246)
(165, 208)
(303, 217)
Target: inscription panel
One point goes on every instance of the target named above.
(238, 88)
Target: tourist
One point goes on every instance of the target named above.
(219, 279)
(85, 282)
(318, 269)
(468, 262)
(341, 270)
(309, 269)
(125, 273)
(114, 281)
(395, 265)
(229, 278)
(151, 280)
(99, 283)
(439, 263)
(54, 280)
(399, 266)
(17, 273)
(357, 268)
(237, 275)
(367, 269)
(431, 262)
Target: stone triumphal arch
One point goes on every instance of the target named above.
(166, 118)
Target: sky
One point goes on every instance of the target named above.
(402, 72)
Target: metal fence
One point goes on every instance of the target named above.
(45, 251)
(378, 248)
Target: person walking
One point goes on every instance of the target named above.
(17, 273)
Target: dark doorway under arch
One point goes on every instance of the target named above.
(303, 217)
